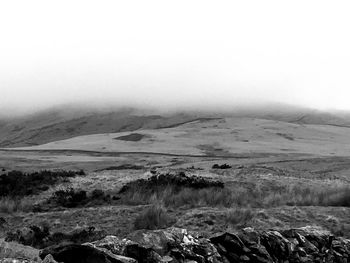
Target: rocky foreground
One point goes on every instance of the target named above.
(306, 244)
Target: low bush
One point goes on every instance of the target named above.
(69, 197)
(154, 217)
(222, 166)
(177, 181)
(17, 183)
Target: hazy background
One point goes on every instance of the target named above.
(174, 53)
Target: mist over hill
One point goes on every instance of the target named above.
(69, 121)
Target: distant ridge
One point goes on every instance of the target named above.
(67, 122)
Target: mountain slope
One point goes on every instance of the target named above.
(68, 122)
(217, 137)
(53, 126)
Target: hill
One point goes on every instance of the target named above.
(217, 137)
(68, 122)
(59, 124)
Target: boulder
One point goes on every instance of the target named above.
(15, 250)
(175, 245)
(74, 253)
(49, 259)
(158, 240)
(15, 260)
(111, 243)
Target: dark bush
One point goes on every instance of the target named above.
(73, 198)
(222, 166)
(80, 172)
(122, 167)
(69, 197)
(17, 183)
(97, 194)
(177, 181)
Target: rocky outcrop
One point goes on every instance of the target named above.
(176, 245)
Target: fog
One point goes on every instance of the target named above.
(174, 54)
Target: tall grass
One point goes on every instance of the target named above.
(11, 205)
(154, 217)
(239, 216)
(242, 196)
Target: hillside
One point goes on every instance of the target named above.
(217, 137)
(68, 122)
(58, 125)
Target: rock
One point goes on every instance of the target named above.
(40, 237)
(111, 243)
(49, 259)
(117, 257)
(157, 240)
(30, 236)
(175, 245)
(15, 250)
(141, 254)
(74, 253)
(15, 260)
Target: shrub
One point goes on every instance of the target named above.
(69, 197)
(17, 183)
(222, 166)
(154, 217)
(97, 194)
(176, 181)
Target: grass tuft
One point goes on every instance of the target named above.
(239, 216)
(154, 217)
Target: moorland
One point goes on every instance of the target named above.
(122, 171)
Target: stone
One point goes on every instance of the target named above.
(74, 253)
(15, 260)
(49, 259)
(157, 240)
(15, 250)
(175, 245)
(111, 243)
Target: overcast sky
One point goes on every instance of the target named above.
(174, 53)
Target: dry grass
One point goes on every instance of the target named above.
(239, 216)
(319, 196)
(11, 205)
(154, 217)
(241, 196)
(188, 197)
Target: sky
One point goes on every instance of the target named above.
(174, 54)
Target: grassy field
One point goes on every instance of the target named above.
(282, 175)
(276, 192)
